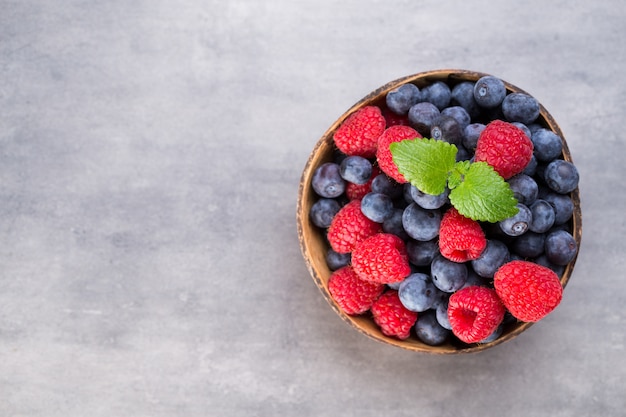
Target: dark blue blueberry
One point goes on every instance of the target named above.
(442, 315)
(544, 261)
(561, 247)
(400, 100)
(520, 107)
(489, 92)
(429, 331)
(462, 154)
(561, 176)
(524, 187)
(377, 207)
(547, 145)
(336, 260)
(385, 185)
(421, 224)
(447, 129)
(459, 114)
(562, 205)
(438, 93)
(517, 225)
(529, 245)
(463, 95)
(473, 279)
(429, 201)
(493, 336)
(523, 128)
(533, 127)
(393, 225)
(323, 211)
(422, 116)
(495, 255)
(422, 253)
(543, 216)
(531, 168)
(417, 292)
(356, 169)
(448, 276)
(471, 134)
(327, 181)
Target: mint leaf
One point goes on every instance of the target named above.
(457, 175)
(483, 195)
(425, 163)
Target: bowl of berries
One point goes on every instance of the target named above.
(441, 213)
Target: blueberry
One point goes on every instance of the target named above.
(523, 128)
(421, 224)
(459, 114)
(385, 185)
(429, 201)
(493, 336)
(441, 314)
(547, 144)
(473, 279)
(437, 93)
(529, 245)
(520, 107)
(562, 205)
(355, 169)
(561, 176)
(377, 207)
(400, 100)
(447, 129)
(423, 115)
(422, 253)
(543, 216)
(336, 260)
(517, 225)
(323, 211)
(417, 292)
(447, 275)
(543, 260)
(471, 133)
(327, 181)
(495, 255)
(463, 95)
(531, 168)
(524, 187)
(393, 224)
(561, 247)
(489, 91)
(429, 331)
(462, 154)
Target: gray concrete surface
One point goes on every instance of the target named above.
(150, 155)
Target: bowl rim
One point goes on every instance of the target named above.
(305, 227)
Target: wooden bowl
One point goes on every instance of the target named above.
(314, 244)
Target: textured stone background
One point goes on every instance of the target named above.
(150, 155)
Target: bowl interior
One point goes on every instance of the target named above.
(314, 245)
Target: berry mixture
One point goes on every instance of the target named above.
(448, 212)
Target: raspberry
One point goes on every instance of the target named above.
(358, 134)
(475, 313)
(383, 154)
(349, 227)
(381, 258)
(392, 317)
(505, 147)
(528, 290)
(358, 191)
(353, 295)
(461, 239)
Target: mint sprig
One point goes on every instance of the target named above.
(477, 191)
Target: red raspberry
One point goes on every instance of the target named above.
(358, 191)
(474, 313)
(381, 258)
(394, 119)
(358, 134)
(505, 147)
(392, 317)
(528, 290)
(353, 295)
(461, 239)
(349, 227)
(383, 154)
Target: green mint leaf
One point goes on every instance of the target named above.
(457, 175)
(425, 163)
(483, 195)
